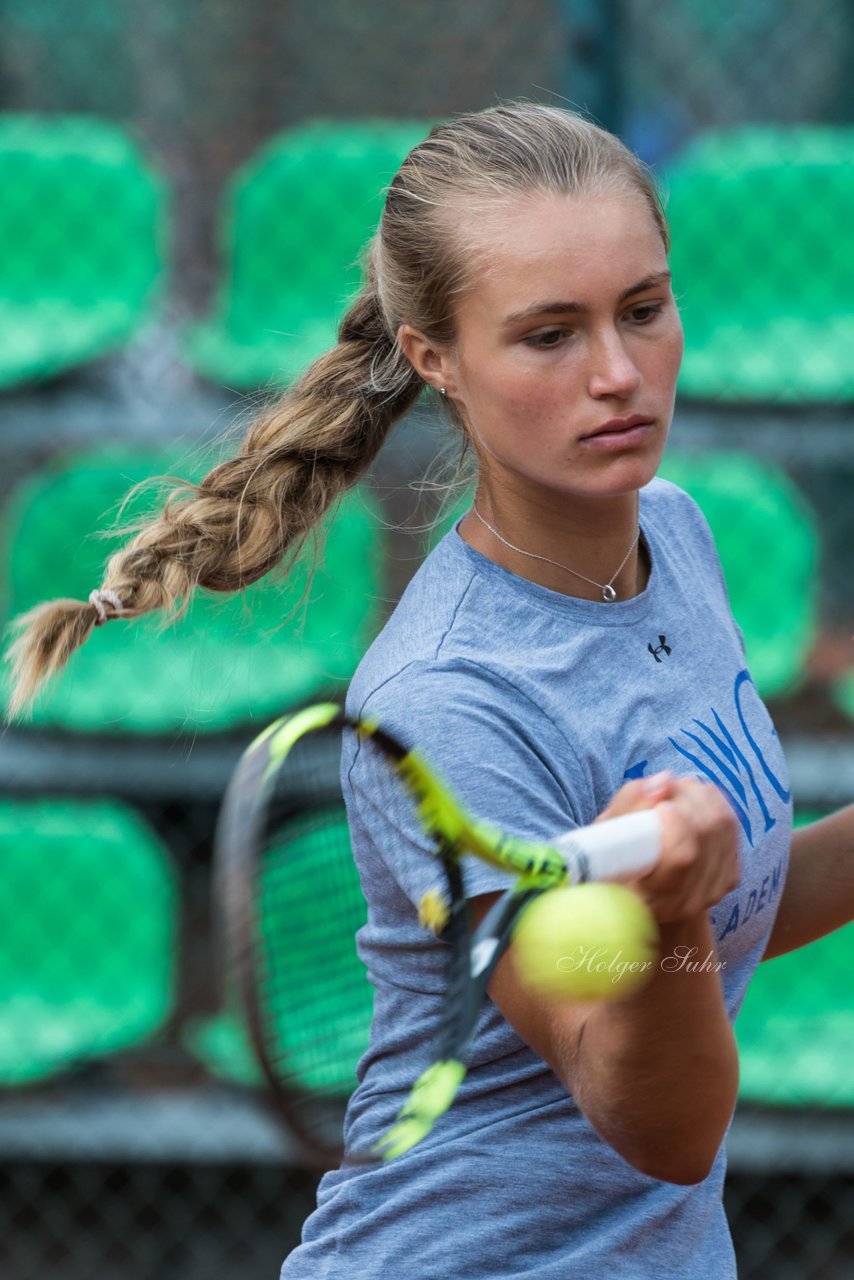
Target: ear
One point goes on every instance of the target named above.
(429, 361)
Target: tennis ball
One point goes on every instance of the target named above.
(589, 942)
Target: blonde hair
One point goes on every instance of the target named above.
(306, 448)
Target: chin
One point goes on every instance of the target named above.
(633, 472)
(626, 476)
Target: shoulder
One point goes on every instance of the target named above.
(490, 740)
(498, 749)
(452, 689)
(421, 623)
(663, 502)
(677, 517)
(461, 621)
(664, 498)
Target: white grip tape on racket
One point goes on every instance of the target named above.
(613, 849)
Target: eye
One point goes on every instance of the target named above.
(645, 311)
(548, 338)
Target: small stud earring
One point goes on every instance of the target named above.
(442, 391)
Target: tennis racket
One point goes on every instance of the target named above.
(291, 902)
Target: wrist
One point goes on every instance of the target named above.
(688, 931)
(689, 947)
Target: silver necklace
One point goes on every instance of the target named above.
(607, 589)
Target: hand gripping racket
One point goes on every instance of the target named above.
(291, 903)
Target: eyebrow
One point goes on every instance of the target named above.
(551, 308)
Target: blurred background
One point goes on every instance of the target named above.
(183, 193)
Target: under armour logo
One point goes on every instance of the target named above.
(662, 647)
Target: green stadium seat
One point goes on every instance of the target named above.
(229, 661)
(295, 219)
(83, 238)
(795, 1031)
(760, 219)
(88, 912)
(768, 544)
(326, 985)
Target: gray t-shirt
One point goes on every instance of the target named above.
(536, 707)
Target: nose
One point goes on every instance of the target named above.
(613, 372)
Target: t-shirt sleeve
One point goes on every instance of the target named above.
(500, 754)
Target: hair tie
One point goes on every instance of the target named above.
(99, 598)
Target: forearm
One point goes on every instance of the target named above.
(657, 1073)
(818, 895)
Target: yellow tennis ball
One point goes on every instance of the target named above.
(591, 942)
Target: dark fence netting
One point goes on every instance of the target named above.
(184, 195)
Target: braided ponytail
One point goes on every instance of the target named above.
(297, 459)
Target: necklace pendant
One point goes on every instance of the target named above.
(609, 595)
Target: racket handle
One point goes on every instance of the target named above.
(612, 849)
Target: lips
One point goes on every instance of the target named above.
(616, 425)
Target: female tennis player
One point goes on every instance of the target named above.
(566, 651)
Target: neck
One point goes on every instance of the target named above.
(582, 553)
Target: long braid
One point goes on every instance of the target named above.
(224, 533)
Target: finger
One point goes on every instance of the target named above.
(639, 794)
(659, 786)
(700, 857)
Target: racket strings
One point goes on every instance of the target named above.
(317, 1000)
